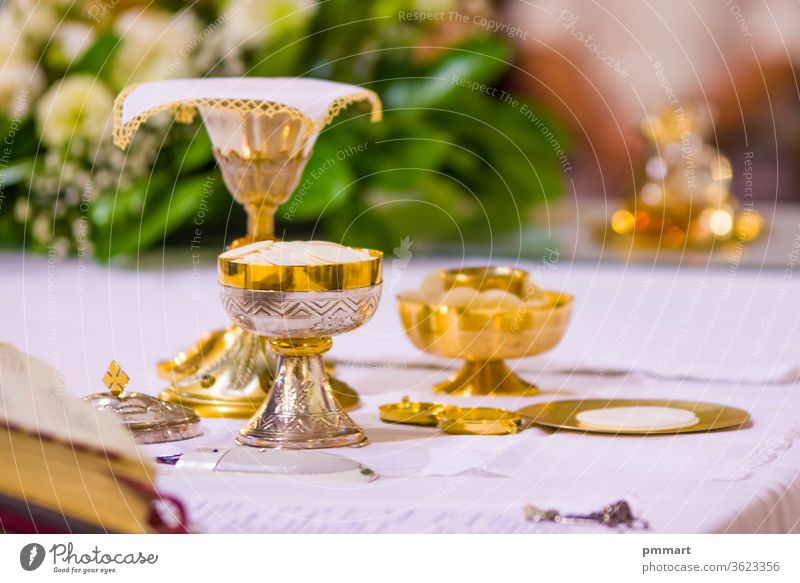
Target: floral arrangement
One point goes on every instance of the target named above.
(450, 161)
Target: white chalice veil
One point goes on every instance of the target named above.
(314, 101)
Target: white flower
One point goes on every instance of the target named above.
(254, 22)
(42, 228)
(74, 38)
(155, 45)
(20, 85)
(77, 107)
(34, 20)
(22, 210)
(13, 48)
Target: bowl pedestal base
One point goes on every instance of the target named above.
(301, 411)
(490, 378)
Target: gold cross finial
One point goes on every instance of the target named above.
(115, 378)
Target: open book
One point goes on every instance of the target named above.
(65, 467)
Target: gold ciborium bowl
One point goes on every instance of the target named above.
(485, 337)
(294, 311)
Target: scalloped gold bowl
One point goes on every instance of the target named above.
(484, 338)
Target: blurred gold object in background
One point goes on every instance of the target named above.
(686, 200)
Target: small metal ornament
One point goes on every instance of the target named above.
(479, 421)
(453, 420)
(408, 412)
(617, 514)
(151, 420)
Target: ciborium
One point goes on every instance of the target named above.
(293, 311)
(263, 132)
(484, 335)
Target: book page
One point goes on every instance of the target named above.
(31, 400)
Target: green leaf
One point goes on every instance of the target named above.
(97, 56)
(326, 185)
(19, 171)
(478, 61)
(195, 154)
(429, 208)
(391, 158)
(19, 138)
(120, 229)
(280, 57)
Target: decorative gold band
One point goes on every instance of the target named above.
(303, 278)
(301, 346)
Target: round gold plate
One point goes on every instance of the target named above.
(562, 415)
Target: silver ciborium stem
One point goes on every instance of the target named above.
(300, 411)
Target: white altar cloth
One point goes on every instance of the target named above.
(720, 336)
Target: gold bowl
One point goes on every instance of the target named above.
(485, 337)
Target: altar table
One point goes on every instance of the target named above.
(726, 334)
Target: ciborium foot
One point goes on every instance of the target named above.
(490, 378)
(225, 375)
(301, 411)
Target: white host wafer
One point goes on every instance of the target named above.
(285, 253)
(637, 418)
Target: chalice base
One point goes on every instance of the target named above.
(301, 411)
(224, 375)
(490, 378)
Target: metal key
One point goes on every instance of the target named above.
(614, 515)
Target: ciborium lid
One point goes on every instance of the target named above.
(149, 419)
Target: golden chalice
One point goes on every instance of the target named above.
(293, 310)
(263, 132)
(485, 336)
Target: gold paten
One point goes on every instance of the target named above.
(478, 421)
(485, 337)
(562, 415)
(410, 413)
(684, 199)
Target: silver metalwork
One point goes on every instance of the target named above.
(148, 418)
(300, 411)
